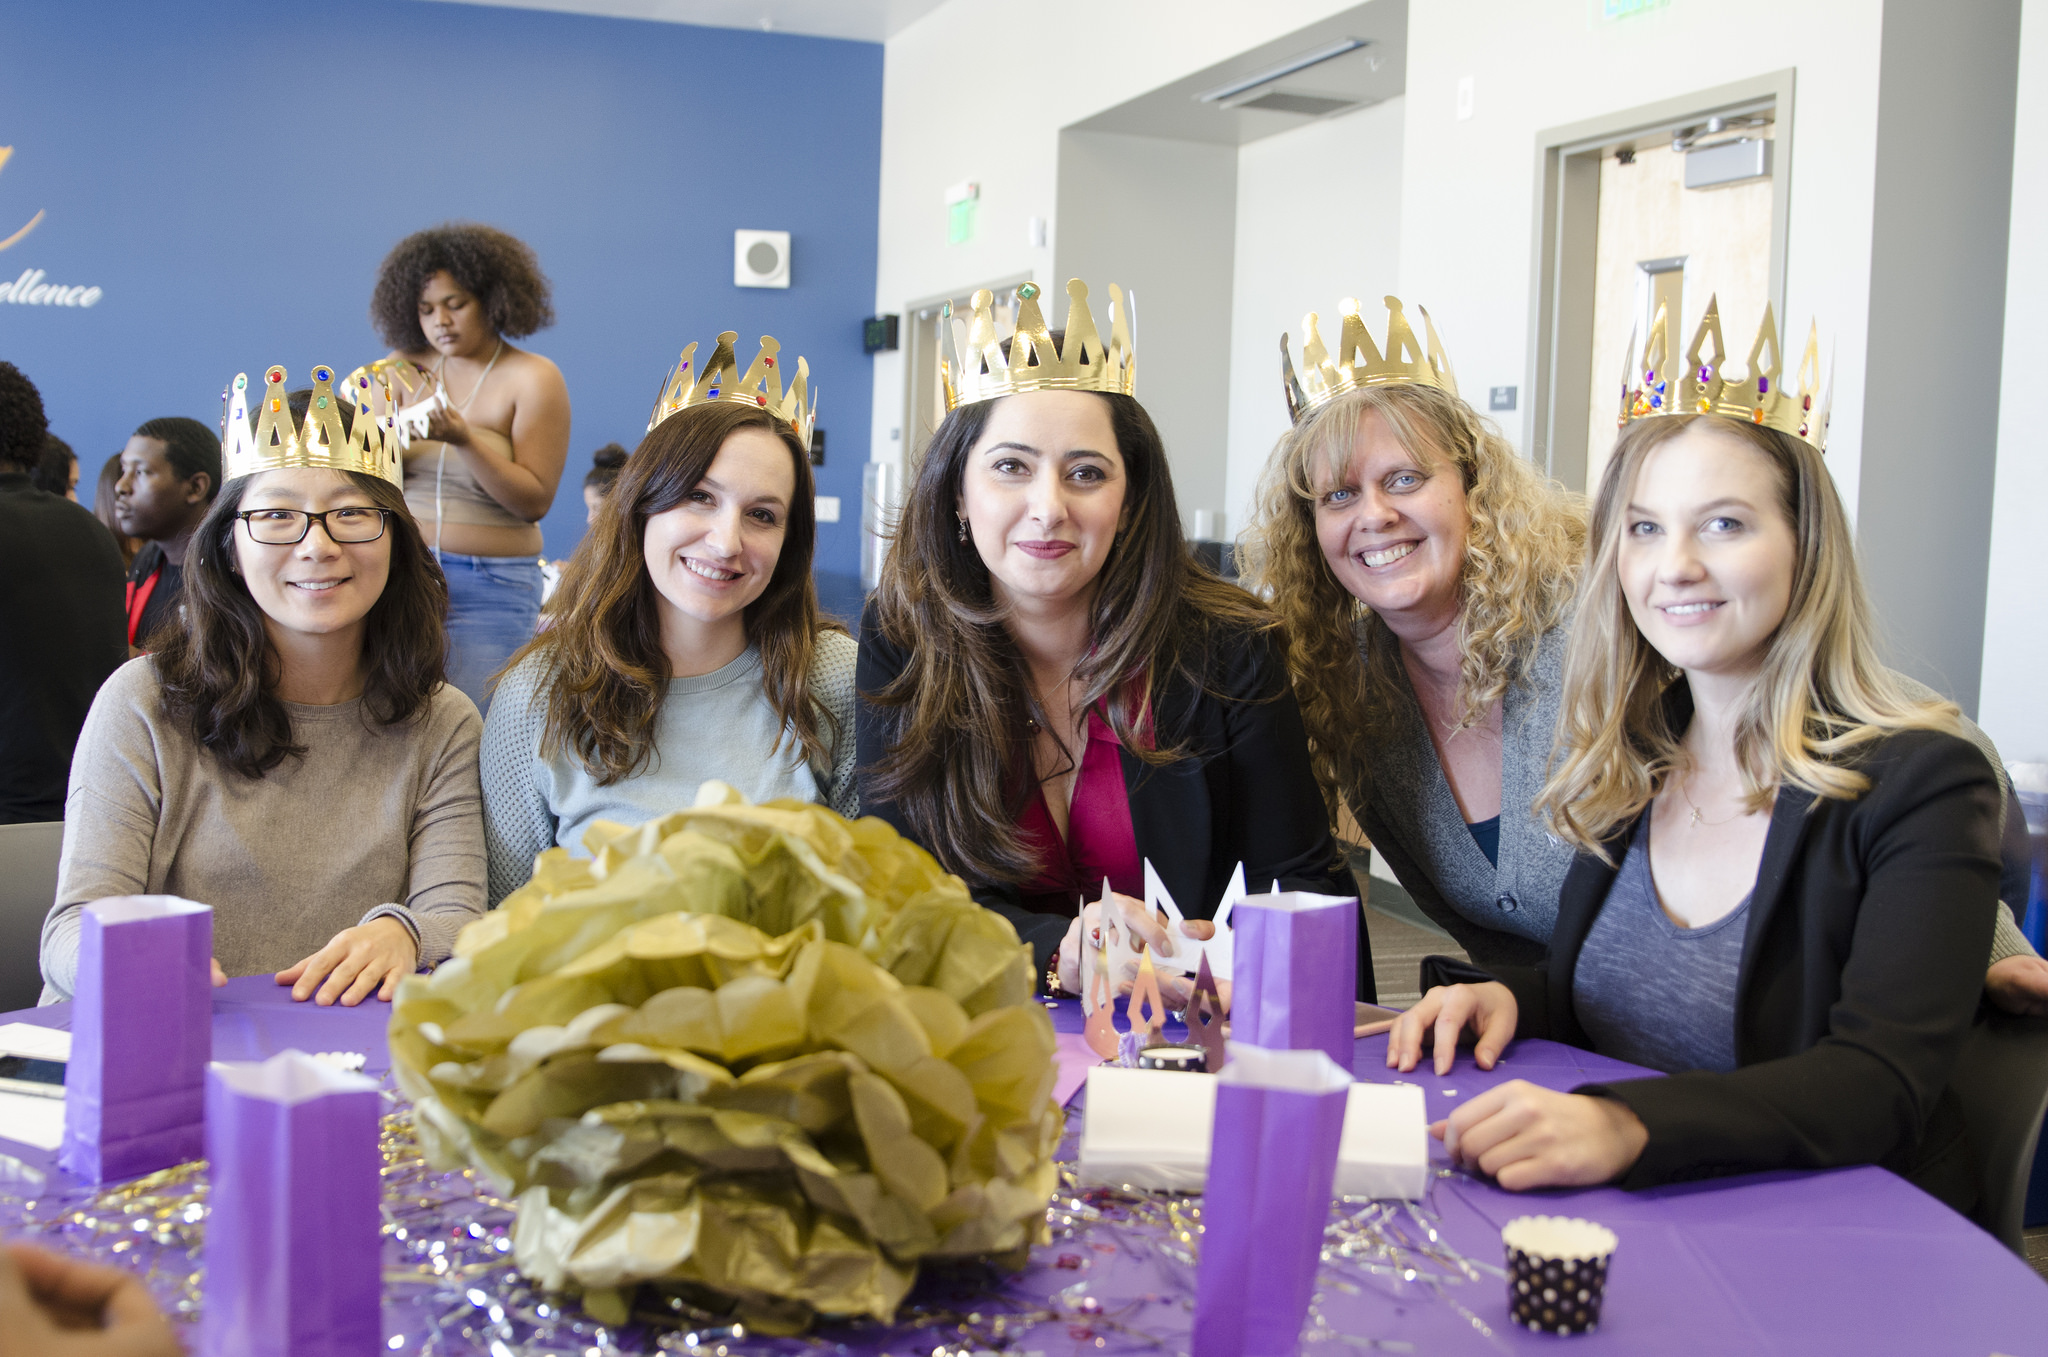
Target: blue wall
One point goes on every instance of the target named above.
(231, 174)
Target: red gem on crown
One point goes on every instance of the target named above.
(274, 375)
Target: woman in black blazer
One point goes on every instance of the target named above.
(1787, 869)
(1051, 690)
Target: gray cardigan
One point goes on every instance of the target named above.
(1503, 916)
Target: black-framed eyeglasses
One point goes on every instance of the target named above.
(349, 524)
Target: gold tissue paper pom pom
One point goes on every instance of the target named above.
(757, 1053)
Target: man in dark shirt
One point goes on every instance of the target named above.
(61, 632)
(170, 473)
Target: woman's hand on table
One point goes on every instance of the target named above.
(1526, 1136)
(1445, 1013)
(369, 958)
(52, 1305)
(2019, 984)
(220, 977)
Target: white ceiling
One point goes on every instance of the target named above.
(1330, 88)
(861, 20)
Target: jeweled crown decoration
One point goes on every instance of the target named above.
(1359, 362)
(386, 418)
(691, 383)
(973, 367)
(1706, 388)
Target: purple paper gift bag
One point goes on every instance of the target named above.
(141, 1034)
(1296, 973)
(1272, 1159)
(294, 1237)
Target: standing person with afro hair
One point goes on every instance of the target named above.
(450, 299)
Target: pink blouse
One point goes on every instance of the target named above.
(1099, 843)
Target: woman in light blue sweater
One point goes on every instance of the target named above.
(685, 642)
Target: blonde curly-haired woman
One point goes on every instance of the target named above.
(1426, 577)
(1424, 574)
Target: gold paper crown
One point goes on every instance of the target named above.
(761, 388)
(972, 366)
(1706, 389)
(1358, 362)
(373, 443)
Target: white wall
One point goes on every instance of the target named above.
(2013, 706)
(1318, 220)
(1158, 217)
(1468, 190)
(970, 92)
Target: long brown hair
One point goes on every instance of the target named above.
(959, 763)
(218, 671)
(1823, 693)
(608, 672)
(1516, 581)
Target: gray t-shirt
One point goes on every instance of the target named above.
(717, 725)
(1651, 991)
(370, 820)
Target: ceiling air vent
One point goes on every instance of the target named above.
(1307, 105)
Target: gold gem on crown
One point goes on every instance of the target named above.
(386, 419)
(1359, 363)
(689, 384)
(1706, 388)
(973, 367)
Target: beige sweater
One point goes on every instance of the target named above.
(370, 820)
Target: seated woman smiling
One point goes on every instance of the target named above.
(291, 755)
(1787, 868)
(687, 643)
(1052, 691)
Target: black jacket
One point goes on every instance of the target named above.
(1246, 793)
(1861, 969)
(61, 634)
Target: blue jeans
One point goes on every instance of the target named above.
(493, 607)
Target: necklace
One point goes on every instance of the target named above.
(441, 460)
(1698, 819)
(462, 406)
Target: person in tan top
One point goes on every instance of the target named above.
(449, 299)
(291, 756)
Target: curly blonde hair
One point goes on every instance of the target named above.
(1824, 692)
(1522, 551)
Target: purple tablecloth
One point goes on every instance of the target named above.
(1850, 1261)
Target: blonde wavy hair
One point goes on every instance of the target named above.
(1823, 692)
(1522, 550)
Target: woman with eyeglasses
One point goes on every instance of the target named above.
(291, 755)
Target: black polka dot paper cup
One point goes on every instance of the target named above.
(1557, 1272)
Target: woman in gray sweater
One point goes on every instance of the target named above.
(1427, 575)
(685, 642)
(290, 756)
